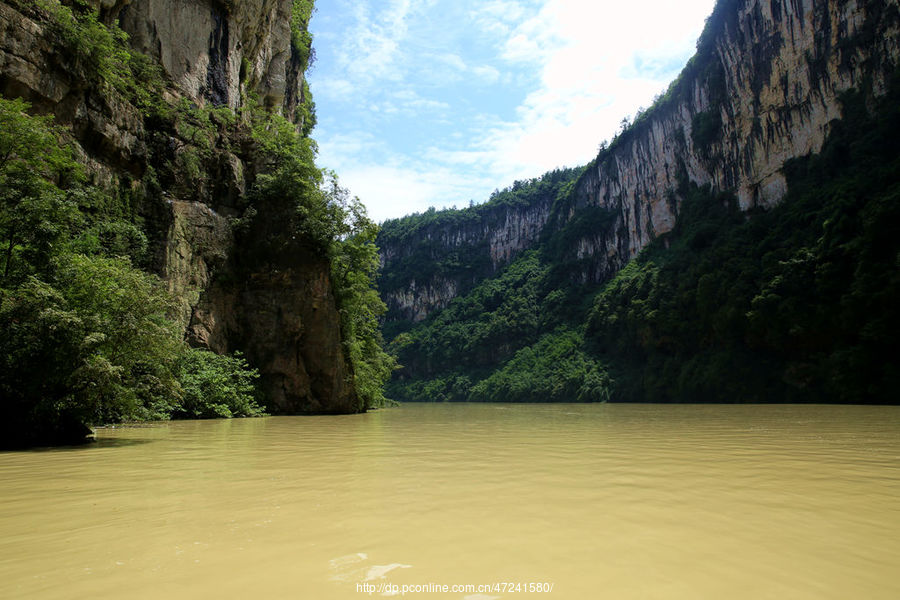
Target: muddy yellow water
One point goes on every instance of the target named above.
(601, 501)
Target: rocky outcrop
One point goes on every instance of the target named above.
(197, 246)
(188, 177)
(109, 130)
(286, 319)
(206, 44)
(416, 301)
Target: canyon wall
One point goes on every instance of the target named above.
(184, 160)
(764, 87)
(431, 258)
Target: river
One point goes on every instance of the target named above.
(563, 501)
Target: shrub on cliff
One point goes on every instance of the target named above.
(85, 344)
(354, 268)
(215, 386)
(85, 338)
(301, 211)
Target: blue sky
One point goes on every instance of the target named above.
(438, 102)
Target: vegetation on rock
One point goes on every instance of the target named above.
(88, 330)
(88, 337)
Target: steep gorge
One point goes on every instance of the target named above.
(736, 243)
(764, 87)
(178, 148)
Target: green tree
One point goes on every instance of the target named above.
(354, 269)
(35, 214)
(91, 346)
(216, 386)
(86, 336)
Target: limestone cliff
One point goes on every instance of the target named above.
(429, 259)
(184, 158)
(763, 88)
(206, 44)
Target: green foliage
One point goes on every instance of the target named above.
(301, 38)
(90, 345)
(488, 338)
(216, 386)
(110, 237)
(792, 305)
(291, 208)
(483, 327)
(97, 51)
(560, 245)
(422, 256)
(35, 214)
(705, 129)
(129, 343)
(354, 268)
(87, 337)
(69, 291)
(100, 53)
(555, 369)
(298, 210)
(31, 145)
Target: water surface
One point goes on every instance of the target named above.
(611, 501)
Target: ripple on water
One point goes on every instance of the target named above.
(798, 502)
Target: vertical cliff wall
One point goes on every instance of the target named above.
(178, 148)
(218, 50)
(431, 258)
(763, 88)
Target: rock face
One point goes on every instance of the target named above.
(430, 265)
(285, 319)
(205, 44)
(109, 130)
(763, 88)
(189, 187)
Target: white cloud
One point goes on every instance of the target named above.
(598, 63)
(486, 73)
(371, 51)
(334, 89)
(410, 102)
(452, 60)
(497, 16)
(580, 67)
(390, 190)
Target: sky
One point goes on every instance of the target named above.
(425, 103)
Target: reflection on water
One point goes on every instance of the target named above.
(614, 501)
